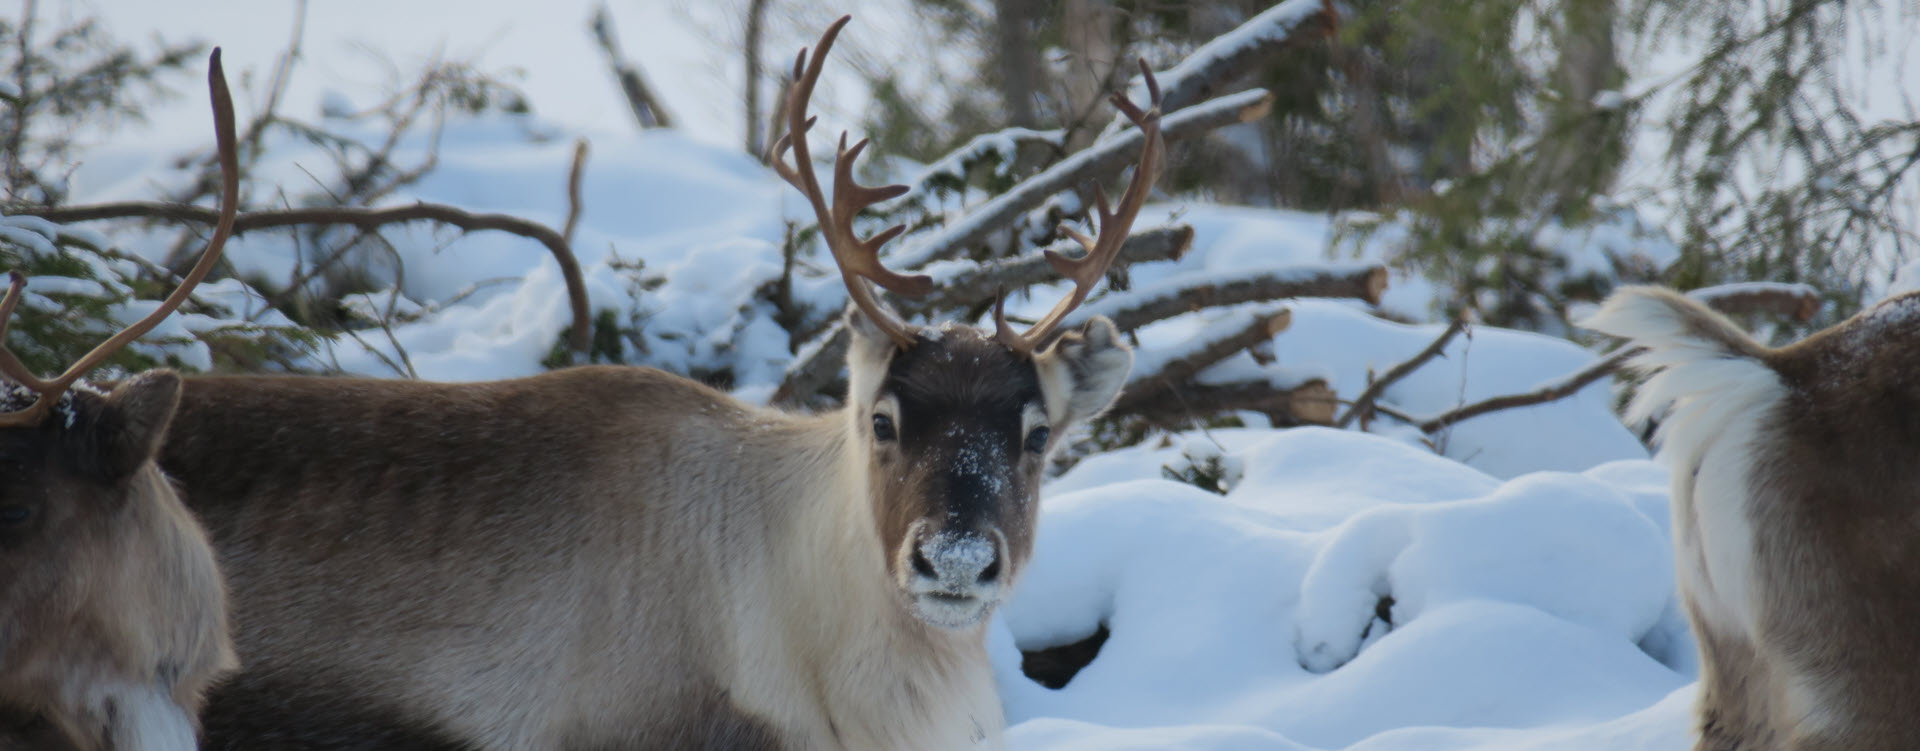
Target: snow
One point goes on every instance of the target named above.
(1248, 619)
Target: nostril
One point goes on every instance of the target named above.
(991, 572)
(922, 566)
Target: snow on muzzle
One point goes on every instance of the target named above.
(955, 578)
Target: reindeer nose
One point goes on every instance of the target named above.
(957, 562)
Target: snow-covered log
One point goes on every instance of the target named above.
(1187, 292)
(1098, 162)
(1158, 371)
(1231, 56)
(962, 284)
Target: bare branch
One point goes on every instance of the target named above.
(1363, 404)
(1141, 307)
(1554, 391)
(579, 338)
(1102, 160)
(647, 110)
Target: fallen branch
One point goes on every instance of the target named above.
(1152, 386)
(1363, 404)
(978, 284)
(1102, 160)
(1309, 403)
(814, 366)
(1143, 306)
(579, 337)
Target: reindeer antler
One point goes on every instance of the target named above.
(1114, 226)
(858, 259)
(51, 390)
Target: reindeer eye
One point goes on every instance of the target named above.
(1037, 439)
(13, 515)
(883, 428)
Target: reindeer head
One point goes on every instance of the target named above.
(113, 617)
(957, 423)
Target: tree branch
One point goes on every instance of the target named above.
(1363, 404)
(1554, 391)
(579, 337)
(1231, 56)
(1103, 160)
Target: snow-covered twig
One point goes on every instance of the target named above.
(579, 337)
(1152, 384)
(1172, 297)
(1363, 404)
(1101, 161)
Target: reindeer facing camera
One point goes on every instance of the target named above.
(113, 619)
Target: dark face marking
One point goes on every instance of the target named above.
(953, 470)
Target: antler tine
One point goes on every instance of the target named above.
(51, 391)
(859, 260)
(1114, 226)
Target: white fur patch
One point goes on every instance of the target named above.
(144, 718)
(1719, 401)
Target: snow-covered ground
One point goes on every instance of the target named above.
(1506, 584)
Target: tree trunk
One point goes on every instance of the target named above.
(1018, 59)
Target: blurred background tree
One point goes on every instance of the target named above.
(1485, 140)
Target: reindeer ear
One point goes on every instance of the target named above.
(1083, 371)
(132, 422)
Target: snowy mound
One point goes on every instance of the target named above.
(1349, 591)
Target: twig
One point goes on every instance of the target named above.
(579, 338)
(646, 107)
(1556, 390)
(1363, 404)
(1103, 159)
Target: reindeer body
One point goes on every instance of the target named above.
(611, 557)
(1796, 519)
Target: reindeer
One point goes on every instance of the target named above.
(1796, 518)
(615, 557)
(112, 612)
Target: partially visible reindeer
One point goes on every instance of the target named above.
(112, 613)
(619, 558)
(1796, 518)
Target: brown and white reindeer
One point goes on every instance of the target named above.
(1796, 518)
(619, 558)
(112, 613)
